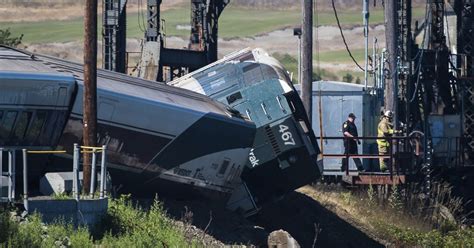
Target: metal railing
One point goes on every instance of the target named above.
(103, 167)
(10, 174)
(397, 143)
(76, 162)
(25, 172)
(406, 144)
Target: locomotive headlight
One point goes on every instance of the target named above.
(292, 159)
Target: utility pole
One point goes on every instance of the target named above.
(365, 16)
(307, 57)
(297, 33)
(90, 87)
(391, 34)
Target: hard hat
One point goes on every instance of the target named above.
(352, 115)
(388, 114)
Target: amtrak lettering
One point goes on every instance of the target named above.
(253, 159)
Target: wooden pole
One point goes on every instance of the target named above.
(307, 57)
(391, 32)
(90, 87)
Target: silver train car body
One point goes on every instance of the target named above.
(158, 137)
(284, 154)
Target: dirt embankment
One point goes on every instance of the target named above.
(307, 220)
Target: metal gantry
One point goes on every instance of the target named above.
(114, 35)
(465, 47)
(164, 64)
(428, 79)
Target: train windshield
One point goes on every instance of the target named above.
(258, 72)
(217, 80)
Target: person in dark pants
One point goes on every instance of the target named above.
(351, 140)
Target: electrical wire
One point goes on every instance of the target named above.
(427, 23)
(343, 38)
(320, 104)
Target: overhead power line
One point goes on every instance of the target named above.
(343, 38)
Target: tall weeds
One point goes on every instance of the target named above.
(125, 225)
(403, 215)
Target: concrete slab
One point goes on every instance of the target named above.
(85, 212)
(61, 182)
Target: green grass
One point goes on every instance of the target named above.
(234, 22)
(291, 64)
(124, 225)
(401, 217)
(342, 56)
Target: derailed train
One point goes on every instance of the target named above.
(257, 85)
(159, 138)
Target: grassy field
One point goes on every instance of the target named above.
(342, 56)
(291, 64)
(234, 22)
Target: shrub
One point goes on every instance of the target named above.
(358, 81)
(124, 225)
(29, 234)
(81, 238)
(7, 227)
(348, 78)
(127, 225)
(408, 237)
(395, 198)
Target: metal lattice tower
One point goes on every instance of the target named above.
(153, 32)
(204, 26)
(114, 35)
(202, 48)
(465, 46)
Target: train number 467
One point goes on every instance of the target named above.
(286, 135)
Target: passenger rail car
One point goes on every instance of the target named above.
(156, 135)
(32, 107)
(284, 153)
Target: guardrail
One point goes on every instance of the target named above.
(76, 162)
(25, 172)
(405, 144)
(103, 166)
(394, 141)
